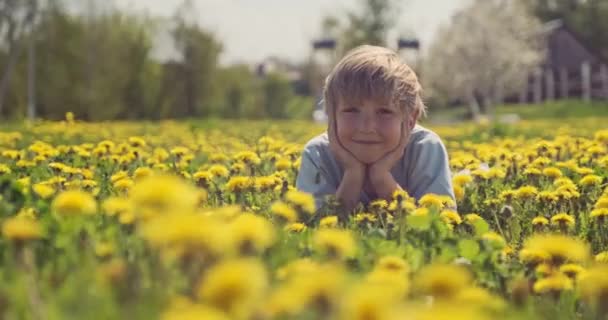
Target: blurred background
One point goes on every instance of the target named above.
(159, 59)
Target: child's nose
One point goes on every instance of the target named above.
(367, 123)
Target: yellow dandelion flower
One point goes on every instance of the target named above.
(531, 171)
(560, 248)
(421, 212)
(119, 176)
(296, 267)
(526, 192)
(571, 270)
(540, 221)
(552, 284)
(441, 281)
(563, 220)
(400, 195)
(335, 243)
(137, 142)
(543, 270)
(219, 170)
(533, 257)
(265, 183)
(74, 202)
(239, 183)
(472, 217)
(142, 172)
(451, 217)
(251, 233)
(328, 222)
(462, 179)
(27, 213)
(590, 180)
(552, 172)
(284, 212)
(494, 239)
(601, 257)
(593, 285)
(393, 264)
(377, 205)
(458, 192)
(431, 200)
(302, 200)
(21, 229)
(116, 206)
(248, 157)
(295, 227)
(508, 195)
(599, 213)
(394, 282)
(365, 217)
(104, 249)
(480, 297)
(186, 231)
(283, 164)
(43, 190)
(123, 184)
(234, 286)
(4, 169)
(602, 203)
(367, 301)
(163, 193)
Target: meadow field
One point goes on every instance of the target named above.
(200, 220)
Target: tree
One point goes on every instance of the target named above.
(487, 50)
(194, 72)
(16, 19)
(277, 93)
(369, 24)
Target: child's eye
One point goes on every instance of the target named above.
(385, 111)
(350, 110)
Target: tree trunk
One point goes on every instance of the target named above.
(473, 106)
(14, 53)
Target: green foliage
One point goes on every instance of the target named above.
(102, 67)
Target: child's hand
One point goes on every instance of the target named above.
(344, 157)
(379, 171)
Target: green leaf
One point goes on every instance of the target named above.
(448, 254)
(481, 227)
(419, 222)
(468, 248)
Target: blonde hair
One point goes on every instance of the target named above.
(376, 74)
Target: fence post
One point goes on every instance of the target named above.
(538, 85)
(604, 76)
(563, 82)
(550, 84)
(586, 81)
(523, 94)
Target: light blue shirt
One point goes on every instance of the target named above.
(423, 168)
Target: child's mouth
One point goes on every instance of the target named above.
(366, 142)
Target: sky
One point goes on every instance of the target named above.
(252, 30)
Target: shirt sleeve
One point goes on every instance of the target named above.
(313, 177)
(431, 170)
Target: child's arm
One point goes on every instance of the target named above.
(349, 191)
(430, 170)
(380, 172)
(313, 178)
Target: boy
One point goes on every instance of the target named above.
(373, 145)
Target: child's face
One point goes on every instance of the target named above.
(369, 130)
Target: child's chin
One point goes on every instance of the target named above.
(367, 159)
